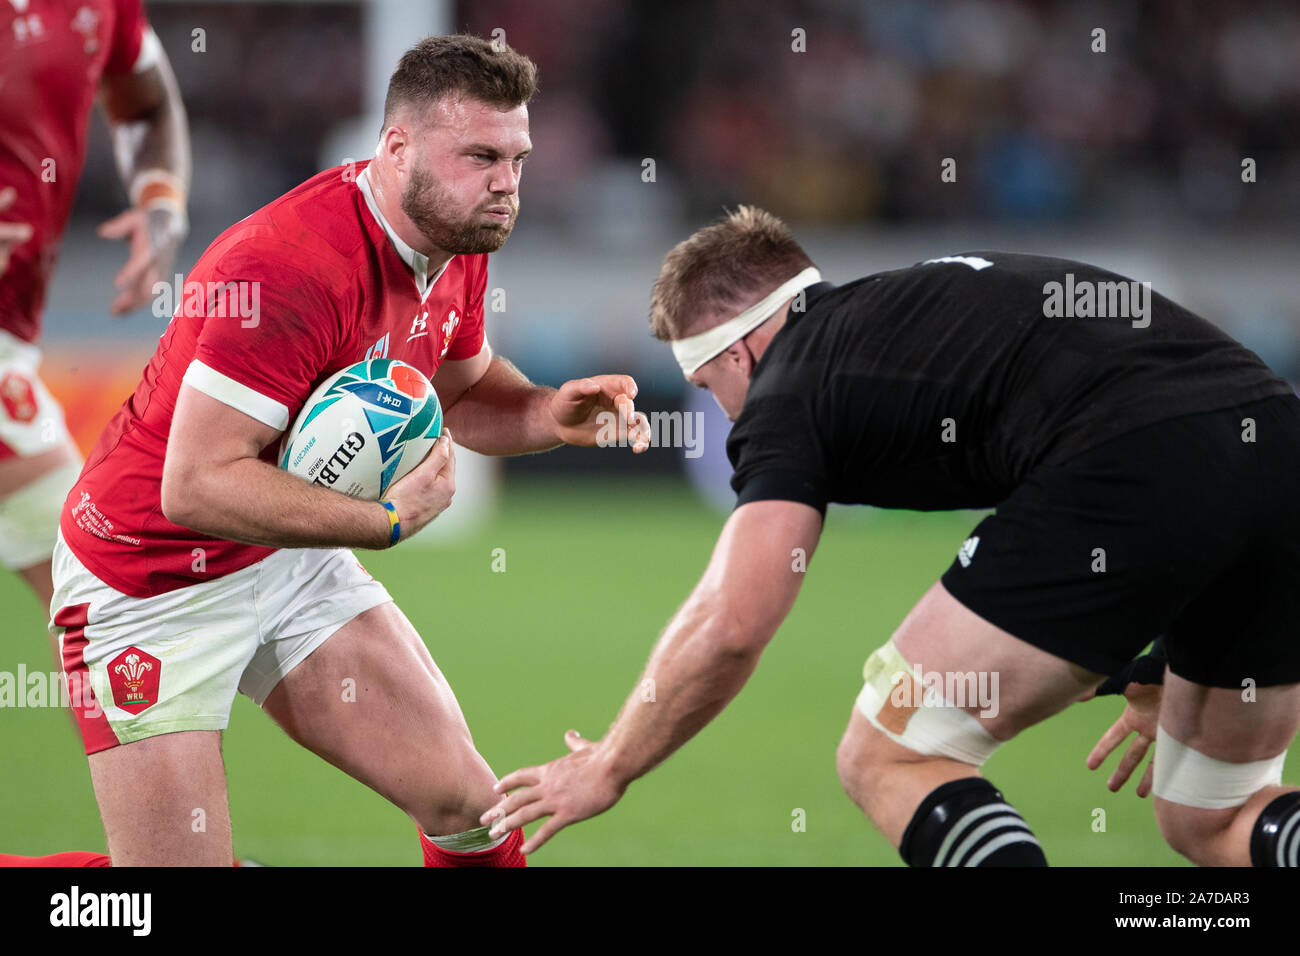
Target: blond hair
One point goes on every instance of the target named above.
(722, 269)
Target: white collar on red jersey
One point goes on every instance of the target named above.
(418, 262)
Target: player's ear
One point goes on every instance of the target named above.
(742, 359)
(395, 144)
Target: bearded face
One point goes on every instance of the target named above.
(438, 214)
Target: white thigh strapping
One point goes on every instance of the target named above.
(1187, 776)
(895, 702)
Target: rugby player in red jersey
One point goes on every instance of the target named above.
(190, 567)
(56, 58)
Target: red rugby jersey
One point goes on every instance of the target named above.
(320, 282)
(52, 55)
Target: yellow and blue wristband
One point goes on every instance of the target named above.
(394, 522)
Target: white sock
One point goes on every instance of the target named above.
(471, 841)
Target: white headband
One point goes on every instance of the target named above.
(693, 351)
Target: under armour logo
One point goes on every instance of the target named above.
(418, 325)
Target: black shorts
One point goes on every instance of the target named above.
(1180, 528)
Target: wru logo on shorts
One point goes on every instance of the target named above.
(134, 676)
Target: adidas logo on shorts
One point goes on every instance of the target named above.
(967, 551)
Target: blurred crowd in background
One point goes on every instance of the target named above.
(852, 128)
(836, 114)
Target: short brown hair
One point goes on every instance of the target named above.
(725, 267)
(439, 66)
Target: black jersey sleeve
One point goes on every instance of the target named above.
(777, 454)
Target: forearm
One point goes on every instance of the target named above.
(503, 413)
(155, 138)
(702, 661)
(253, 502)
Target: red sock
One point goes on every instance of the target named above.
(72, 858)
(506, 854)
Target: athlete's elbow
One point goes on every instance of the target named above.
(175, 508)
(180, 496)
(735, 635)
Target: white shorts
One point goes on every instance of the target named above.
(173, 662)
(31, 423)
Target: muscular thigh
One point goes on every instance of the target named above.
(163, 800)
(1019, 684)
(371, 701)
(1205, 808)
(905, 737)
(1232, 724)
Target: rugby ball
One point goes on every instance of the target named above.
(363, 428)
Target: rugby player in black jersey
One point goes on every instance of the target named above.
(1143, 465)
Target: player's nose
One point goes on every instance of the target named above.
(506, 179)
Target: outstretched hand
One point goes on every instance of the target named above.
(152, 238)
(1140, 717)
(568, 790)
(599, 411)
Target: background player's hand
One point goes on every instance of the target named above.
(581, 409)
(11, 233)
(427, 490)
(152, 239)
(568, 790)
(1141, 713)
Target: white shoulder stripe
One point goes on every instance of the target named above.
(237, 395)
(150, 52)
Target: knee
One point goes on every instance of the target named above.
(452, 800)
(1193, 832)
(862, 761)
(1206, 807)
(445, 816)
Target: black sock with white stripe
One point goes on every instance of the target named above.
(967, 823)
(1275, 841)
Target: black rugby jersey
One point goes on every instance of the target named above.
(943, 384)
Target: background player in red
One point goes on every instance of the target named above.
(189, 566)
(56, 58)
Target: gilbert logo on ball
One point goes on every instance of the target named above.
(363, 428)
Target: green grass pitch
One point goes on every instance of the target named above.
(593, 572)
